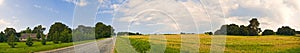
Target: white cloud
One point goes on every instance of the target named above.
(78, 2)
(211, 14)
(278, 12)
(155, 13)
(37, 6)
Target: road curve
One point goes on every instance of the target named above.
(100, 46)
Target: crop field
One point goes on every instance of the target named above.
(202, 43)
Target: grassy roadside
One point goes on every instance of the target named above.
(37, 46)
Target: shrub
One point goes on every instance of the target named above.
(44, 40)
(11, 41)
(29, 41)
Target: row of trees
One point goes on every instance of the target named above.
(99, 31)
(284, 30)
(252, 30)
(58, 33)
(298, 32)
(233, 29)
(128, 33)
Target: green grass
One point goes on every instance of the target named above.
(37, 46)
(21, 47)
(234, 44)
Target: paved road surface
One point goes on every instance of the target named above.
(100, 46)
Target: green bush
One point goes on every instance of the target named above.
(11, 41)
(44, 41)
(29, 41)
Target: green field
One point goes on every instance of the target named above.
(37, 46)
(202, 43)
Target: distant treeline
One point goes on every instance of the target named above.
(298, 32)
(252, 30)
(128, 33)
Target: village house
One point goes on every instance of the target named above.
(24, 36)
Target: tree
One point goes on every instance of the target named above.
(233, 29)
(11, 41)
(244, 30)
(83, 33)
(29, 41)
(103, 31)
(268, 32)
(3, 38)
(39, 31)
(11, 31)
(286, 30)
(253, 27)
(57, 27)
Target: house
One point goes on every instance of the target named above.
(24, 36)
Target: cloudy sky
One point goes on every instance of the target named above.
(150, 16)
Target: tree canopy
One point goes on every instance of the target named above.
(268, 32)
(55, 31)
(103, 31)
(286, 30)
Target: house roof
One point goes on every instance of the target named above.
(25, 35)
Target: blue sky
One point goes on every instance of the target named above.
(149, 16)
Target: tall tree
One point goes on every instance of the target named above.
(11, 31)
(57, 27)
(39, 31)
(254, 24)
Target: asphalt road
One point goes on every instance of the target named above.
(99, 46)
